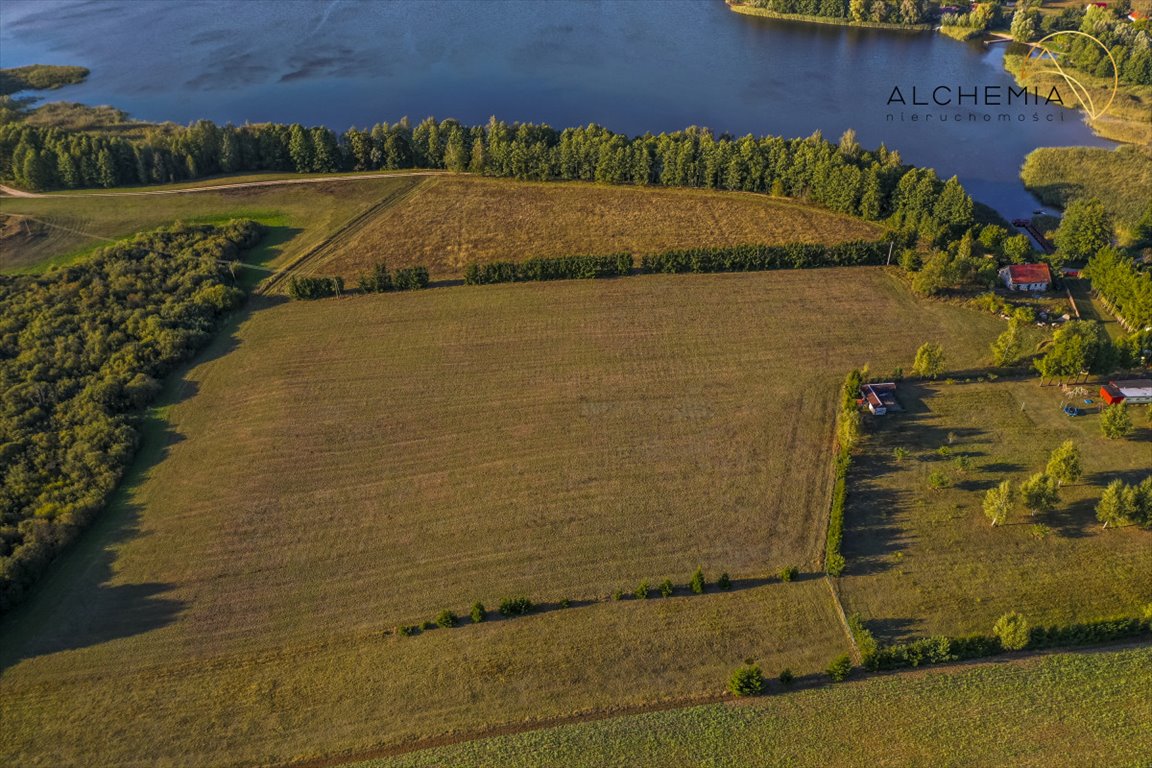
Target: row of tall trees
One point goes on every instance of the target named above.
(841, 176)
(1114, 276)
(82, 350)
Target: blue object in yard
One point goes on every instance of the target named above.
(1071, 410)
(1087, 401)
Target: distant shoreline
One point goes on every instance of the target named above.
(748, 10)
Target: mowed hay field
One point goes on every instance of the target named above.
(39, 232)
(333, 469)
(924, 561)
(1063, 711)
(453, 221)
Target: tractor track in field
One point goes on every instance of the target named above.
(349, 227)
(808, 682)
(14, 192)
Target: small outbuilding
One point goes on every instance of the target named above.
(1026, 277)
(1135, 391)
(879, 398)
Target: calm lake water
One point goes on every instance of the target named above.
(630, 65)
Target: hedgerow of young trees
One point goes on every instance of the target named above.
(82, 350)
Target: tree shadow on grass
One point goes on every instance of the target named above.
(75, 604)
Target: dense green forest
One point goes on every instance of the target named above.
(843, 177)
(1115, 276)
(82, 351)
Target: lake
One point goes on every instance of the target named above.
(633, 66)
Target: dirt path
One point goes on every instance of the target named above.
(812, 681)
(13, 192)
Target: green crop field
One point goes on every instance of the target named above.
(328, 471)
(1063, 711)
(923, 561)
(452, 221)
(55, 229)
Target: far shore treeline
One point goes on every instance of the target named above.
(841, 176)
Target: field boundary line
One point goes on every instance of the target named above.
(857, 657)
(589, 716)
(13, 192)
(347, 228)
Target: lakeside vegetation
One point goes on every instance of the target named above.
(39, 77)
(881, 14)
(1129, 118)
(1047, 712)
(1120, 179)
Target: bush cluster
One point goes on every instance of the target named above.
(929, 650)
(559, 268)
(307, 288)
(747, 680)
(380, 280)
(516, 606)
(756, 258)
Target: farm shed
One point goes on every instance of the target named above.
(880, 398)
(1135, 391)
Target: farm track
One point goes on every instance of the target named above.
(1014, 660)
(13, 192)
(348, 228)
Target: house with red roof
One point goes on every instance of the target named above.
(1026, 277)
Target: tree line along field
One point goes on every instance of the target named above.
(57, 229)
(332, 470)
(444, 223)
(924, 561)
(453, 221)
(1060, 711)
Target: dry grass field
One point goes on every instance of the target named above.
(330, 470)
(926, 562)
(1063, 711)
(452, 221)
(59, 228)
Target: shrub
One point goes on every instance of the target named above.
(724, 582)
(938, 480)
(560, 268)
(565, 603)
(1087, 633)
(835, 564)
(929, 650)
(446, 619)
(864, 639)
(788, 573)
(515, 606)
(697, 584)
(618, 594)
(899, 453)
(840, 668)
(666, 588)
(376, 281)
(746, 681)
(642, 591)
(786, 677)
(1012, 631)
(314, 287)
(479, 613)
(407, 630)
(411, 278)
